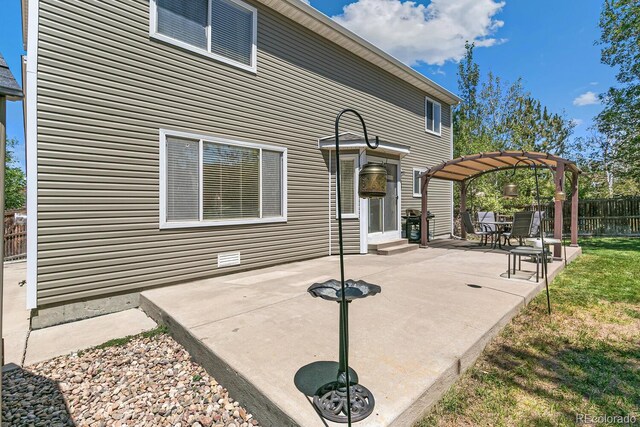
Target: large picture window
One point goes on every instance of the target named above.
(213, 181)
(433, 116)
(222, 29)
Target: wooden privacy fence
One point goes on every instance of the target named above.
(15, 235)
(600, 217)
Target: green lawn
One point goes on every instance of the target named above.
(583, 359)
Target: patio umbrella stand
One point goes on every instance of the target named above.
(331, 399)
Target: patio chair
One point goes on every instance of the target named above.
(484, 219)
(535, 224)
(470, 229)
(521, 227)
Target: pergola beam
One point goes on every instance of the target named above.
(499, 161)
(558, 220)
(574, 209)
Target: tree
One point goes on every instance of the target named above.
(619, 121)
(602, 179)
(15, 180)
(493, 116)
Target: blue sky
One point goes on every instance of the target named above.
(550, 44)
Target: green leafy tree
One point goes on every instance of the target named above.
(619, 120)
(493, 116)
(601, 172)
(15, 181)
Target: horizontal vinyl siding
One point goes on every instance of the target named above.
(436, 150)
(104, 90)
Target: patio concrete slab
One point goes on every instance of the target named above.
(15, 321)
(265, 338)
(47, 343)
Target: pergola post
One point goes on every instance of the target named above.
(558, 223)
(574, 209)
(463, 207)
(424, 232)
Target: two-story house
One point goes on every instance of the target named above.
(172, 140)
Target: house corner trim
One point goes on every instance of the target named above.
(31, 137)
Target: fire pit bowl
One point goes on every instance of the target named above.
(353, 289)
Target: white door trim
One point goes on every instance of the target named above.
(391, 235)
(364, 209)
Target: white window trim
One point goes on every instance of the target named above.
(426, 117)
(164, 224)
(413, 181)
(356, 172)
(253, 67)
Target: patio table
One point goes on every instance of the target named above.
(535, 242)
(500, 228)
(527, 251)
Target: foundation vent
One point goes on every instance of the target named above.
(228, 258)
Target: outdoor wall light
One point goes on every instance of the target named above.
(510, 190)
(373, 181)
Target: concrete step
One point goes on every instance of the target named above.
(374, 247)
(398, 249)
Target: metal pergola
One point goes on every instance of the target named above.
(465, 168)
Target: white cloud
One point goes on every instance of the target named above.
(593, 83)
(577, 122)
(431, 34)
(587, 98)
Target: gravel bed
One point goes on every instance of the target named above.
(148, 381)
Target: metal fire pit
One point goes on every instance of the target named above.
(331, 399)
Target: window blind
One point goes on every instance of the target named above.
(182, 179)
(416, 182)
(436, 118)
(271, 184)
(433, 116)
(184, 20)
(231, 31)
(230, 182)
(347, 185)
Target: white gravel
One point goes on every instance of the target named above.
(146, 382)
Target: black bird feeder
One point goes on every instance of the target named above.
(344, 401)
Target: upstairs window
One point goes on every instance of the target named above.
(432, 115)
(211, 181)
(222, 29)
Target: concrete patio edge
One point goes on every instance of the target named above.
(270, 414)
(238, 386)
(421, 407)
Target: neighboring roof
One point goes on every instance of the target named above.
(8, 84)
(351, 140)
(321, 24)
(466, 167)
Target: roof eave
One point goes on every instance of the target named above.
(307, 16)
